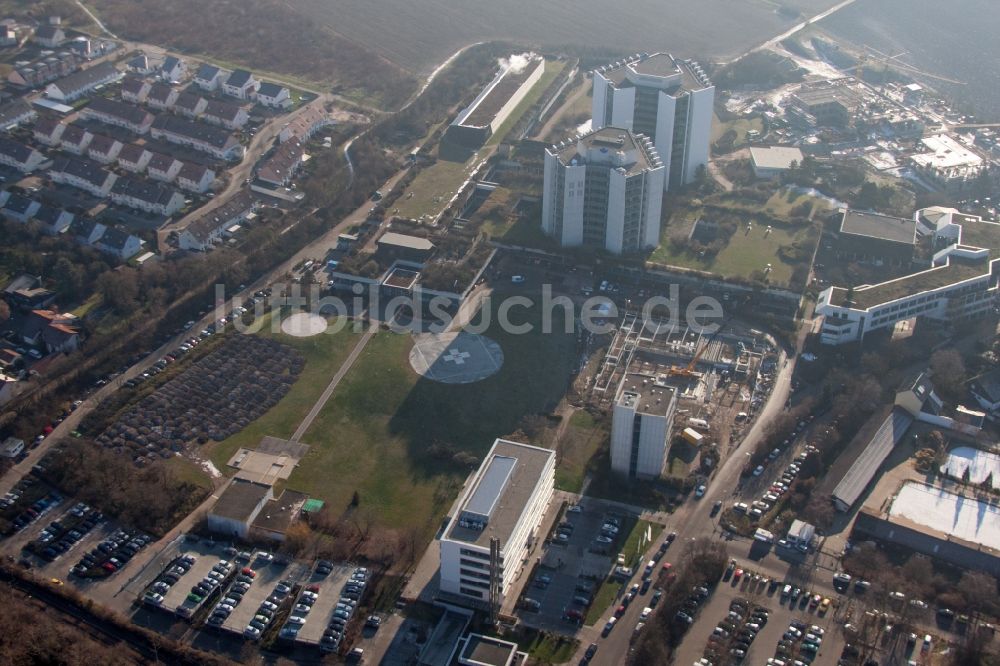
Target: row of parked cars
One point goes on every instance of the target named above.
(264, 615)
(112, 554)
(770, 497)
(159, 588)
(799, 645)
(735, 633)
(350, 595)
(216, 577)
(32, 513)
(691, 606)
(58, 537)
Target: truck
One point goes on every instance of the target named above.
(692, 436)
(763, 535)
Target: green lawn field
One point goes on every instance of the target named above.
(392, 436)
(324, 355)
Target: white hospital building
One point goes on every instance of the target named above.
(604, 190)
(666, 99)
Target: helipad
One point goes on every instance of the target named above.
(303, 325)
(455, 358)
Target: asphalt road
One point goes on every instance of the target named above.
(239, 173)
(690, 521)
(317, 248)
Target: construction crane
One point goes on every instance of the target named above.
(689, 371)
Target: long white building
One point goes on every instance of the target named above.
(506, 500)
(960, 284)
(668, 100)
(604, 190)
(640, 427)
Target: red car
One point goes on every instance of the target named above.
(313, 588)
(620, 611)
(110, 568)
(247, 571)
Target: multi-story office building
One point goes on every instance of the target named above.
(604, 190)
(506, 500)
(640, 428)
(666, 99)
(959, 285)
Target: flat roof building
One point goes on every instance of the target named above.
(604, 190)
(505, 500)
(877, 239)
(829, 103)
(237, 508)
(667, 99)
(954, 527)
(959, 285)
(772, 161)
(491, 108)
(480, 650)
(642, 419)
(949, 164)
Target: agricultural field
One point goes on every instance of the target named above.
(418, 36)
(405, 444)
(268, 37)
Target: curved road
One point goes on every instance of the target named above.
(690, 521)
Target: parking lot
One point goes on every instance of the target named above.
(176, 598)
(764, 645)
(263, 586)
(571, 569)
(328, 594)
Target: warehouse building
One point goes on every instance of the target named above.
(604, 190)
(666, 99)
(506, 501)
(955, 528)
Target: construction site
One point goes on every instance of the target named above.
(720, 378)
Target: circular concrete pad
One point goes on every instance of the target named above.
(455, 358)
(303, 325)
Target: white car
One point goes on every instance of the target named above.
(646, 612)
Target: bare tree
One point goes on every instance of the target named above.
(948, 370)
